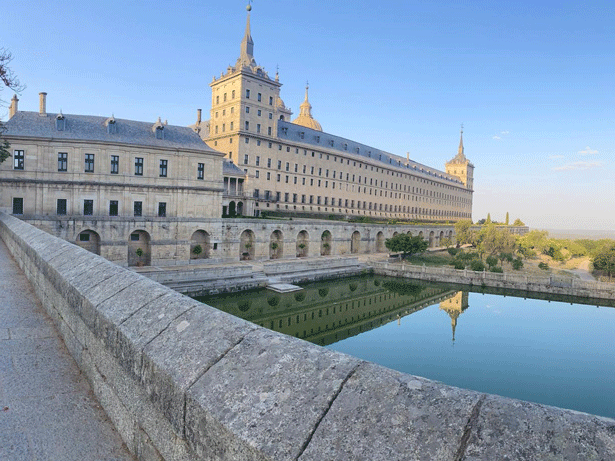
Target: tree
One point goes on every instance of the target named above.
(407, 245)
(463, 232)
(518, 222)
(605, 260)
(8, 80)
(488, 220)
(507, 218)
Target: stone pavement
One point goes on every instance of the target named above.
(47, 409)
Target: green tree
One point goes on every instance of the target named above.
(518, 222)
(8, 80)
(491, 261)
(488, 220)
(605, 260)
(406, 244)
(493, 240)
(463, 231)
(507, 219)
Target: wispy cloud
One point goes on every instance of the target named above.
(578, 166)
(588, 151)
(505, 132)
(497, 137)
(555, 157)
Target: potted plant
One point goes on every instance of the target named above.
(197, 250)
(139, 253)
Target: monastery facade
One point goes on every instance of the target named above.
(294, 167)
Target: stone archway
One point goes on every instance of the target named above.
(276, 245)
(139, 249)
(326, 240)
(232, 210)
(440, 238)
(200, 245)
(380, 247)
(246, 245)
(431, 239)
(303, 244)
(239, 208)
(89, 240)
(355, 242)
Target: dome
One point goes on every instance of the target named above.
(305, 115)
(280, 104)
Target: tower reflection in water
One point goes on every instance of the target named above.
(326, 312)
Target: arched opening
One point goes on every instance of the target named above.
(303, 244)
(409, 234)
(395, 234)
(355, 242)
(276, 245)
(199, 245)
(246, 245)
(431, 239)
(380, 242)
(89, 240)
(281, 117)
(239, 208)
(440, 238)
(139, 249)
(421, 234)
(326, 240)
(232, 211)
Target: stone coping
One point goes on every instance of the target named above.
(184, 381)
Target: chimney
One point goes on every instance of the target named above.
(198, 116)
(13, 108)
(42, 106)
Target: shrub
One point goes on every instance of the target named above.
(197, 250)
(139, 252)
(477, 265)
(459, 265)
(453, 251)
(491, 261)
(517, 264)
(543, 266)
(274, 246)
(496, 269)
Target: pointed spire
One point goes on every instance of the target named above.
(246, 56)
(460, 151)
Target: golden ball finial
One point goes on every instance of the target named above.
(249, 7)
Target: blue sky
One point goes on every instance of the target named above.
(532, 82)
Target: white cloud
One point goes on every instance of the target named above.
(497, 137)
(588, 151)
(578, 166)
(555, 157)
(505, 132)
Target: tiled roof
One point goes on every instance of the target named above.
(94, 128)
(230, 169)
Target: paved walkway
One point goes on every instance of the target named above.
(47, 409)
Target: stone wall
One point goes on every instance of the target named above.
(184, 381)
(557, 285)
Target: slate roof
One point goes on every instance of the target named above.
(230, 169)
(93, 128)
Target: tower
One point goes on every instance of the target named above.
(245, 104)
(461, 167)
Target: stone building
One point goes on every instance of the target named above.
(296, 168)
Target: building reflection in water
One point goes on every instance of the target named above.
(326, 312)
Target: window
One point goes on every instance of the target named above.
(18, 159)
(61, 206)
(268, 163)
(138, 166)
(84, 237)
(162, 209)
(256, 193)
(88, 207)
(89, 163)
(247, 125)
(247, 94)
(259, 97)
(18, 205)
(279, 164)
(247, 109)
(115, 164)
(287, 166)
(270, 116)
(134, 237)
(233, 94)
(257, 174)
(231, 140)
(163, 168)
(113, 208)
(268, 176)
(258, 160)
(62, 161)
(200, 171)
(269, 130)
(137, 209)
(246, 159)
(258, 127)
(224, 99)
(270, 101)
(259, 112)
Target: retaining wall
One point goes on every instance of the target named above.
(556, 285)
(184, 381)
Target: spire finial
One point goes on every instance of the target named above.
(307, 87)
(460, 151)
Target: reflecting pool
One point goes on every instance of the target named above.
(556, 351)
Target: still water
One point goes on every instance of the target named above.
(546, 351)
